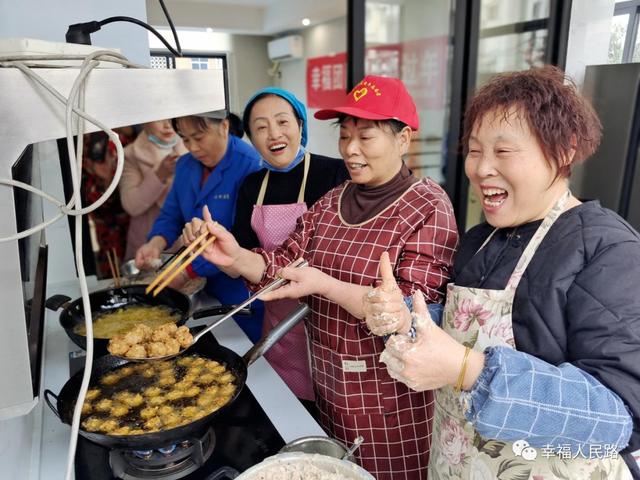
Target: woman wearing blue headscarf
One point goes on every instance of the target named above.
(270, 202)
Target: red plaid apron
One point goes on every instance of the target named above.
(354, 392)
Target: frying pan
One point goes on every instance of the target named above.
(110, 299)
(207, 348)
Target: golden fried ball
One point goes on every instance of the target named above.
(136, 351)
(147, 413)
(192, 391)
(206, 379)
(124, 430)
(166, 380)
(171, 420)
(126, 371)
(92, 394)
(185, 361)
(152, 391)
(86, 408)
(104, 405)
(156, 401)
(110, 378)
(134, 400)
(190, 412)
(148, 372)
(183, 335)
(119, 410)
(226, 378)
(165, 410)
(205, 400)
(227, 389)
(172, 345)
(198, 361)
(175, 395)
(218, 369)
(153, 424)
(117, 346)
(92, 424)
(109, 425)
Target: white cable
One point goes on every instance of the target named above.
(74, 206)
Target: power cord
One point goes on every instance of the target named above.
(74, 105)
(81, 32)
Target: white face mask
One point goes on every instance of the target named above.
(162, 144)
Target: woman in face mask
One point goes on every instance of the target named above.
(149, 164)
(270, 202)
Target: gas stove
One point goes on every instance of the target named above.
(230, 445)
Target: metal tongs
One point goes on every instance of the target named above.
(268, 288)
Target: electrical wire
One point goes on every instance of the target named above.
(74, 105)
(173, 29)
(143, 25)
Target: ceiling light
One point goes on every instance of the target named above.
(209, 30)
(306, 21)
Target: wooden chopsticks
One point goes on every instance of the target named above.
(175, 267)
(114, 266)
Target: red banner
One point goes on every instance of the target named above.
(421, 64)
(326, 80)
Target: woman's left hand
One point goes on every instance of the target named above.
(303, 281)
(433, 360)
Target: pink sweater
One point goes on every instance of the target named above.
(141, 191)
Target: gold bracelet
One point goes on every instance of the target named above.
(463, 369)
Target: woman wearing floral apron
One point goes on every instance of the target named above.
(537, 363)
(269, 204)
(342, 236)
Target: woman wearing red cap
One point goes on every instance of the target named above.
(342, 236)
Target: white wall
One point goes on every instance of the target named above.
(49, 20)
(324, 39)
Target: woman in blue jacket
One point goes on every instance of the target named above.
(210, 174)
(537, 361)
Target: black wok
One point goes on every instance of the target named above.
(207, 347)
(109, 299)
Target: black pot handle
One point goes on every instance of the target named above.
(219, 310)
(57, 301)
(47, 394)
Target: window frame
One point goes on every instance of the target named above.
(631, 8)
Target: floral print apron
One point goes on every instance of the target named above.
(481, 318)
(290, 356)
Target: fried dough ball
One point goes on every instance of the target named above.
(152, 391)
(212, 390)
(171, 420)
(153, 424)
(136, 431)
(175, 394)
(195, 369)
(86, 408)
(192, 391)
(185, 361)
(117, 346)
(148, 372)
(190, 377)
(172, 345)
(147, 413)
(109, 426)
(164, 332)
(226, 378)
(135, 400)
(92, 424)
(156, 349)
(205, 400)
(104, 405)
(198, 361)
(92, 394)
(227, 389)
(165, 410)
(119, 410)
(156, 401)
(124, 430)
(126, 371)
(136, 351)
(134, 336)
(200, 414)
(190, 412)
(206, 379)
(110, 378)
(183, 335)
(166, 380)
(183, 385)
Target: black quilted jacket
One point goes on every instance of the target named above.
(579, 299)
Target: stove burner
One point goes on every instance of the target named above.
(167, 463)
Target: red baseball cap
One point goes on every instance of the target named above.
(376, 98)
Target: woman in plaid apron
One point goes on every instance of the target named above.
(342, 236)
(537, 358)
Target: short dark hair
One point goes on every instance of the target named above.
(560, 118)
(201, 123)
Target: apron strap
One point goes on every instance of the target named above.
(535, 242)
(306, 161)
(484, 244)
(263, 189)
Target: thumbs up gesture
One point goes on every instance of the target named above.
(433, 360)
(384, 309)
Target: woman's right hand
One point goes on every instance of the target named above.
(167, 167)
(384, 308)
(224, 251)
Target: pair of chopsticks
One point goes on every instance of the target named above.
(114, 266)
(175, 267)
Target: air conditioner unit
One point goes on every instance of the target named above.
(285, 48)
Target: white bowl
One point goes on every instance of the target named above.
(289, 465)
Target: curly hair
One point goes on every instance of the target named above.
(560, 118)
